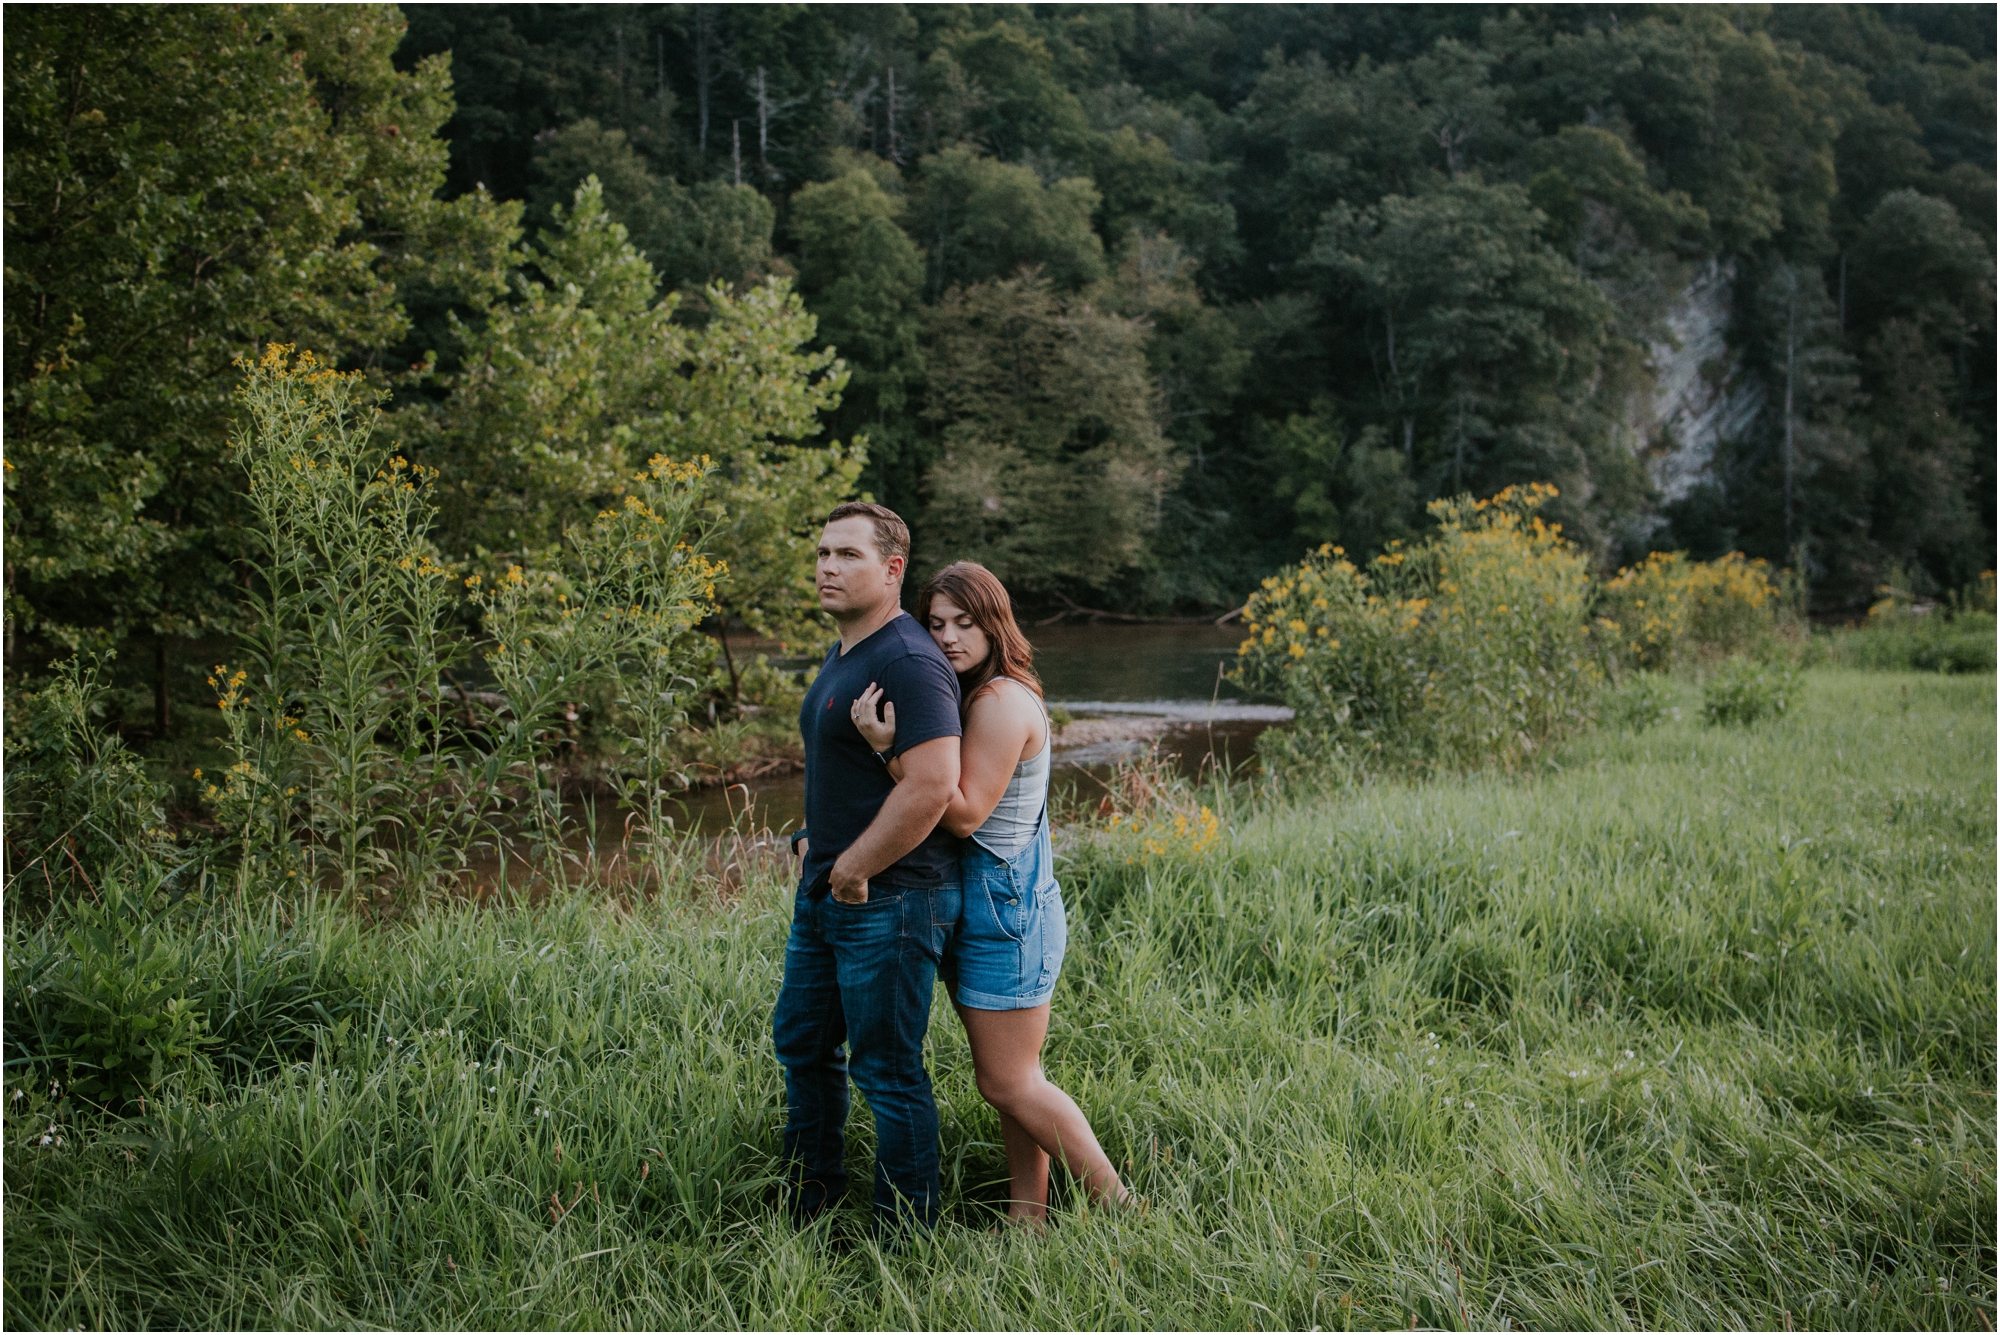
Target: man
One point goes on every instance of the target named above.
(879, 892)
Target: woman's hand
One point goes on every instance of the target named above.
(878, 731)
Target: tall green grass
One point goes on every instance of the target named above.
(1687, 1027)
(1963, 642)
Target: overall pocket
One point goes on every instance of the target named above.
(1012, 912)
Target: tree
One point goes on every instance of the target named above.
(1920, 472)
(982, 219)
(1148, 188)
(1914, 260)
(692, 235)
(1052, 467)
(1744, 125)
(587, 372)
(184, 184)
(863, 277)
(1008, 99)
(1805, 492)
(1342, 488)
(1479, 332)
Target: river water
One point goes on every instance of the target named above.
(1127, 688)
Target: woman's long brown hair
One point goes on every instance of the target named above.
(977, 590)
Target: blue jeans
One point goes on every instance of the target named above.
(857, 999)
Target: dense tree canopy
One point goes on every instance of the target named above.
(1470, 237)
(1135, 302)
(184, 183)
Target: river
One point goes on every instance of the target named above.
(1125, 687)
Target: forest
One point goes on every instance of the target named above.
(1134, 303)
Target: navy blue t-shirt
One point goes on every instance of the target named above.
(845, 784)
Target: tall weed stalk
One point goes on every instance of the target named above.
(80, 805)
(350, 740)
(622, 613)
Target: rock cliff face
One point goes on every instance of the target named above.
(1702, 395)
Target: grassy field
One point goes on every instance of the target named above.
(1689, 1028)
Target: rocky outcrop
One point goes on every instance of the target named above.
(1702, 395)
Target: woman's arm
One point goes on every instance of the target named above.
(1003, 721)
(1002, 728)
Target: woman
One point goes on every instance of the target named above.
(1000, 968)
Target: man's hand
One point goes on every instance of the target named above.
(849, 889)
(930, 777)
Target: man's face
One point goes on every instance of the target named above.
(852, 577)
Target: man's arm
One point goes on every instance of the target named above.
(910, 813)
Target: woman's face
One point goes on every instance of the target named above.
(964, 644)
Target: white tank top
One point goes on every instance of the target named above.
(1012, 825)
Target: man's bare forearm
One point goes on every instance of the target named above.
(907, 817)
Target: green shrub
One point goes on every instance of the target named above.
(1471, 647)
(1668, 607)
(1900, 641)
(80, 806)
(1641, 703)
(345, 721)
(103, 1002)
(1742, 692)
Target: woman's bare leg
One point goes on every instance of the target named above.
(1027, 1170)
(1007, 1061)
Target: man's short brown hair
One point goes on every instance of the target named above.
(892, 535)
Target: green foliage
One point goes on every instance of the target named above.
(1482, 329)
(1053, 465)
(1668, 609)
(1353, 1017)
(1341, 489)
(748, 395)
(1645, 701)
(346, 722)
(1153, 186)
(586, 375)
(1744, 691)
(692, 235)
(252, 175)
(1582, 164)
(336, 722)
(999, 86)
(619, 611)
(1897, 640)
(1920, 509)
(1470, 647)
(863, 278)
(1435, 252)
(81, 807)
(101, 1001)
(981, 219)
(1916, 261)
